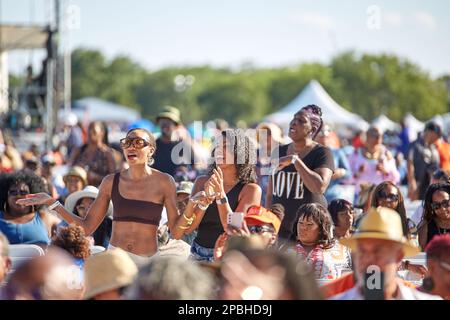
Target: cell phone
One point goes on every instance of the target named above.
(235, 219)
(373, 285)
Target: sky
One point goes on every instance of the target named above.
(265, 33)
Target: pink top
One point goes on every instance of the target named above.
(370, 173)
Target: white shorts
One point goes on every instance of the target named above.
(140, 261)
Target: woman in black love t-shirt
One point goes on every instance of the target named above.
(304, 169)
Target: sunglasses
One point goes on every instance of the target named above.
(390, 197)
(260, 229)
(438, 205)
(137, 143)
(15, 193)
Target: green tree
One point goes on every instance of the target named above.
(88, 73)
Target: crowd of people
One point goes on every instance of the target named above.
(265, 217)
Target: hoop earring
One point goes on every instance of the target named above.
(151, 161)
(5, 209)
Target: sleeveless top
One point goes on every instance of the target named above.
(32, 232)
(210, 227)
(134, 210)
(434, 230)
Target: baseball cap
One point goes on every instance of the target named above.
(433, 126)
(185, 187)
(171, 113)
(261, 214)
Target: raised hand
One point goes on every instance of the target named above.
(36, 199)
(201, 198)
(216, 182)
(283, 162)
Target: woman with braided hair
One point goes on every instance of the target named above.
(303, 169)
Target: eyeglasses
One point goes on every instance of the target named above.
(438, 205)
(260, 229)
(390, 197)
(137, 143)
(15, 193)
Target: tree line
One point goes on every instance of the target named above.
(362, 83)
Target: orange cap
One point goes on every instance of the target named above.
(261, 214)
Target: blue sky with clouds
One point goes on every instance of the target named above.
(264, 32)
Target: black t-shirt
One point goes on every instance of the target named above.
(163, 156)
(288, 188)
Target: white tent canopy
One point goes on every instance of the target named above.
(332, 112)
(384, 123)
(415, 126)
(95, 109)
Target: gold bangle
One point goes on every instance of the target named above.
(184, 228)
(189, 219)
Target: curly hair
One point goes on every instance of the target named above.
(337, 205)
(8, 180)
(244, 158)
(428, 212)
(73, 240)
(375, 198)
(320, 215)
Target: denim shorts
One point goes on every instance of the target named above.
(200, 253)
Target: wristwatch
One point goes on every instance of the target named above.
(54, 205)
(223, 200)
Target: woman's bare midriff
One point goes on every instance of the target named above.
(134, 237)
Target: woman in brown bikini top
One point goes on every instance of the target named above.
(139, 194)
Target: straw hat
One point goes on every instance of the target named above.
(76, 171)
(87, 192)
(385, 224)
(108, 270)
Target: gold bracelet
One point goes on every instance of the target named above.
(184, 228)
(189, 219)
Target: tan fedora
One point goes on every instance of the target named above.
(385, 224)
(108, 270)
(76, 171)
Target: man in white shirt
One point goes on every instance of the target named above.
(379, 246)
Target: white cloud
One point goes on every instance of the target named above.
(425, 19)
(393, 19)
(312, 19)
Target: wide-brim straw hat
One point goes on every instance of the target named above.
(108, 270)
(87, 192)
(381, 223)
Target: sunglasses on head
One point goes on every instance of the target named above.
(438, 205)
(137, 143)
(15, 193)
(388, 196)
(259, 229)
